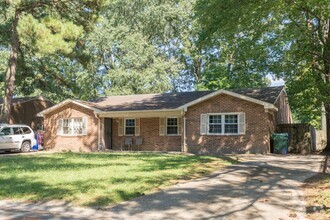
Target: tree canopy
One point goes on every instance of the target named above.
(292, 35)
(35, 31)
(89, 48)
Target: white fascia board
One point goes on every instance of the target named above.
(41, 114)
(283, 90)
(222, 91)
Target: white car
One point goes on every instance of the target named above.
(16, 137)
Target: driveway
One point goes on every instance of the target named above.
(262, 187)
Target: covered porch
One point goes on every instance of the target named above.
(147, 130)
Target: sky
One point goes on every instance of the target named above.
(279, 82)
(275, 82)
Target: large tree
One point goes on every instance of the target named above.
(294, 33)
(35, 29)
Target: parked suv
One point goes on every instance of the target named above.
(16, 137)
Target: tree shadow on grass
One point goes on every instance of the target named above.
(62, 161)
(230, 193)
(30, 188)
(18, 185)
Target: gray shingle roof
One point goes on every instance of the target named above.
(168, 101)
(267, 94)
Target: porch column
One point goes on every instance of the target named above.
(184, 135)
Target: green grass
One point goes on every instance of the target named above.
(97, 179)
(317, 196)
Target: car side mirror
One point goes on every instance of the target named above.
(1, 133)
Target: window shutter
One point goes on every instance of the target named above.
(203, 128)
(241, 123)
(179, 125)
(121, 127)
(137, 127)
(162, 126)
(84, 121)
(60, 126)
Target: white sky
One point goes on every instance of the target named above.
(279, 82)
(276, 82)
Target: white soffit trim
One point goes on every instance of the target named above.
(48, 110)
(222, 91)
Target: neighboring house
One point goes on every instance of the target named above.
(216, 122)
(24, 110)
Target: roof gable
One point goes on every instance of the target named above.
(68, 101)
(233, 94)
(266, 94)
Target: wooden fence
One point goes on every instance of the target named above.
(302, 137)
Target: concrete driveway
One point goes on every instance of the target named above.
(262, 187)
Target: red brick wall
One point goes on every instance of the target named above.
(149, 131)
(74, 143)
(255, 140)
(26, 112)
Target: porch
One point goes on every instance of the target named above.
(146, 130)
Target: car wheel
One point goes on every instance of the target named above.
(26, 146)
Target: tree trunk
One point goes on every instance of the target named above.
(11, 72)
(327, 116)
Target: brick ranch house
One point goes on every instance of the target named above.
(208, 122)
(24, 110)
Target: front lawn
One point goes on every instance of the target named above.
(97, 179)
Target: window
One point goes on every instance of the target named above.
(26, 130)
(72, 126)
(223, 124)
(215, 126)
(6, 131)
(231, 124)
(172, 126)
(17, 130)
(130, 126)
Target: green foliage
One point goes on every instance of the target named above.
(136, 46)
(48, 35)
(133, 43)
(51, 56)
(4, 54)
(130, 63)
(289, 39)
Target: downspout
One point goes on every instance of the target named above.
(184, 130)
(184, 135)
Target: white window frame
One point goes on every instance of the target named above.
(177, 125)
(125, 119)
(84, 128)
(222, 123)
(208, 124)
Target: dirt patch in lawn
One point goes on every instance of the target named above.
(317, 196)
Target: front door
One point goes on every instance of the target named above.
(108, 133)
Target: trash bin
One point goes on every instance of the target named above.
(281, 143)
